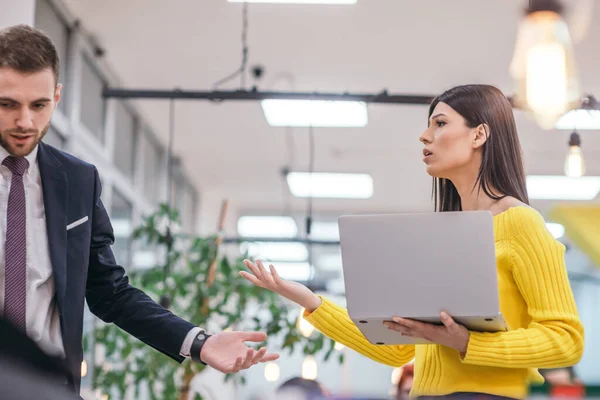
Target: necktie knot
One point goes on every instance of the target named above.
(17, 165)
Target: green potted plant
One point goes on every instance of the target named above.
(198, 284)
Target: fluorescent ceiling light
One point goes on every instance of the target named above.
(121, 227)
(317, 113)
(579, 119)
(548, 187)
(296, 1)
(330, 262)
(267, 227)
(557, 230)
(275, 251)
(329, 185)
(321, 230)
(144, 259)
(299, 271)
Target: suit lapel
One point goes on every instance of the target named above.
(55, 190)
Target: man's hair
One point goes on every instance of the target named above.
(27, 50)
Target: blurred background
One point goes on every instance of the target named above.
(248, 177)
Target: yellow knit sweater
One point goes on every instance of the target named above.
(535, 299)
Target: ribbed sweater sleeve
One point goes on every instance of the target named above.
(333, 321)
(554, 337)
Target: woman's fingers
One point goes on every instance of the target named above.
(278, 281)
(267, 278)
(251, 278)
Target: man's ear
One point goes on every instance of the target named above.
(57, 94)
(481, 135)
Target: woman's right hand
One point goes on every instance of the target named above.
(293, 291)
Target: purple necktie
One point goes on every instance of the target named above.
(15, 256)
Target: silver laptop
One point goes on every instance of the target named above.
(417, 265)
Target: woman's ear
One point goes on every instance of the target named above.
(481, 135)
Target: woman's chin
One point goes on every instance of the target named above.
(432, 171)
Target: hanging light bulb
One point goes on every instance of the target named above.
(272, 372)
(309, 368)
(543, 64)
(305, 328)
(574, 163)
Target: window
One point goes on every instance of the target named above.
(48, 20)
(153, 169)
(125, 140)
(93, 105)
(53, 138)
(122, 222)
(186, 199)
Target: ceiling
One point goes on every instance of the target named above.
(412, 47)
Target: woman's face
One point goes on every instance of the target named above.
(450, 145)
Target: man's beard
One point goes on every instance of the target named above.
(22, 151)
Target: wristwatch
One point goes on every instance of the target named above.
(197, 344)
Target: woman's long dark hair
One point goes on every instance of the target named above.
(502, 162)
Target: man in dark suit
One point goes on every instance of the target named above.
(55, 247)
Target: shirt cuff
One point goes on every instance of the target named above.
(187, 343)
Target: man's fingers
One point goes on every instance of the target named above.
(248, 359)
(270, 357)
(253, 336)
(237, 365)
(259, 355)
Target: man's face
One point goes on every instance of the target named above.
(27, 102)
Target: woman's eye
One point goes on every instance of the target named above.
(440, 124)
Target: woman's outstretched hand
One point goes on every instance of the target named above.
(291, 290)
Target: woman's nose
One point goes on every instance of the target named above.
(424, 138)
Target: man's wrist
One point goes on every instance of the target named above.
(197, 345)
(189, 339)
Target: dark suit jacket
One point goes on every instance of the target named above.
(84, 266)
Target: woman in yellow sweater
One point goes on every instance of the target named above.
(472, 150)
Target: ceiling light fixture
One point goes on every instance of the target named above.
(267, 226)
(316, 113)
(581, 119)
(330, 185)
(296, 1)
(574, 166)
(543, 64)
(276, 251)
(295, 271)
(557, 187)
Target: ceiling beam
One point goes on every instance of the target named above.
(382, 97)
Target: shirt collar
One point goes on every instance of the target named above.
(31, 157)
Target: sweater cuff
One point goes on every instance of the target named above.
(478, 349)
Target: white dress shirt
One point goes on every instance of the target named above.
(43, 321)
